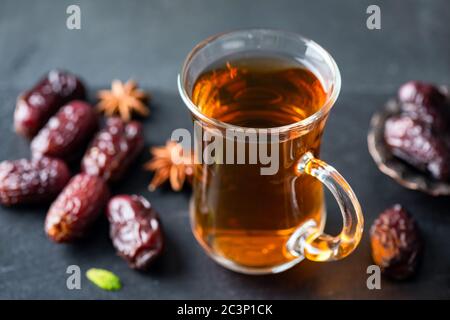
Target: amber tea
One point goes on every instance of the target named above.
(239, 214)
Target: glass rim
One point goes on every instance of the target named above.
(299, 125)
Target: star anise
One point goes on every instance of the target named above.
(170, 162)
(123, 99)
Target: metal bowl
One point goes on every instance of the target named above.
(397, 169)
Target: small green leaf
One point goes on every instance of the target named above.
(104, 279)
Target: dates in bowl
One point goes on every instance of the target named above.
(409, 139)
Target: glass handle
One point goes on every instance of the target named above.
(309, 241)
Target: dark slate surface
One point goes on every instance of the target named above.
(148, 40)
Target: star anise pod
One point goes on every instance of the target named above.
(123, 99)
(170, 162)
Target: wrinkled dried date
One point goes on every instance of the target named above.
(412, 141)
(135, 230)
(396, 243)
(113, 149)
(426, 103)
(420, 93)
(76, 208)
(36, 106)
(32, 181)
(66, 132)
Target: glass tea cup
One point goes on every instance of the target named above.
(253, 222)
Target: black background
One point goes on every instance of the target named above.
(148, 40)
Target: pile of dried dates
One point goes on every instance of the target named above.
(65, 131)
(420, 134)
